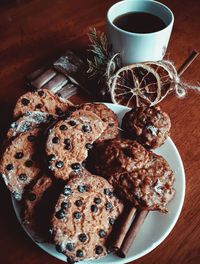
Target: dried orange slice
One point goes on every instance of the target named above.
(135, 85)
(165, 72)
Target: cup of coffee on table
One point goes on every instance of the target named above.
(139, 30)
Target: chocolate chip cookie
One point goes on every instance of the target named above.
(38, 207)
(41, 100)
(69, 140)
(27, 122)
(84, 217)
(31, 218)
(150, 126)
(20, 162)
(108, 116)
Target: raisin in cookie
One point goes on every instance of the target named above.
(27, 122)
(148, 125)
(69, 140)
(41, 100)
(20, 162)
(84, 217)
(108, 116)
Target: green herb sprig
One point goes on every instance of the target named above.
(102, 54)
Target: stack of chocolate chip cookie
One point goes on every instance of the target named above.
(42, 164)
(52, 155)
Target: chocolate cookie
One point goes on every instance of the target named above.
(20, 162)
(39, 204)
(69, 140)
(27, 122)
(148, 188)
(117, 154)
(41, 100)
(84, 217)
(140, 176)
(150, 126)
(108, 116)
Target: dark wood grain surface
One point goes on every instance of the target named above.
(35, 32)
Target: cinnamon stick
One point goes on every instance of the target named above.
(132, 233)
(32, 76)
(122, 231)
(187, 62)
(63, 77)
(43, 79)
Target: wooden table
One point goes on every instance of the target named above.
(35, 32)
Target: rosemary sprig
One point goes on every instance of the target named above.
(101, 54)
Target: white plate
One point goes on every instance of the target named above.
(157, 226)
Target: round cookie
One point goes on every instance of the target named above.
(27, 122)
(31, 219)
(38, 207)
(108, 116)
(84, 217)
(41, 100)
(139, 176)
(20, 163)
(89, 123)
(148, 188)
(150, 126)
(117, 154)
(69, 140)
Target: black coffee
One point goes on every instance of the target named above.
(139, 22)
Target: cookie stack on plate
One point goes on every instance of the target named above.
(42, 164)
(52, 155)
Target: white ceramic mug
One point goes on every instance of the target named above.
(139, 47)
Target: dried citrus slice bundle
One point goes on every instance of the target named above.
(140, 84)
(166, 74)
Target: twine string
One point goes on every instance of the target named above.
(180, 87)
